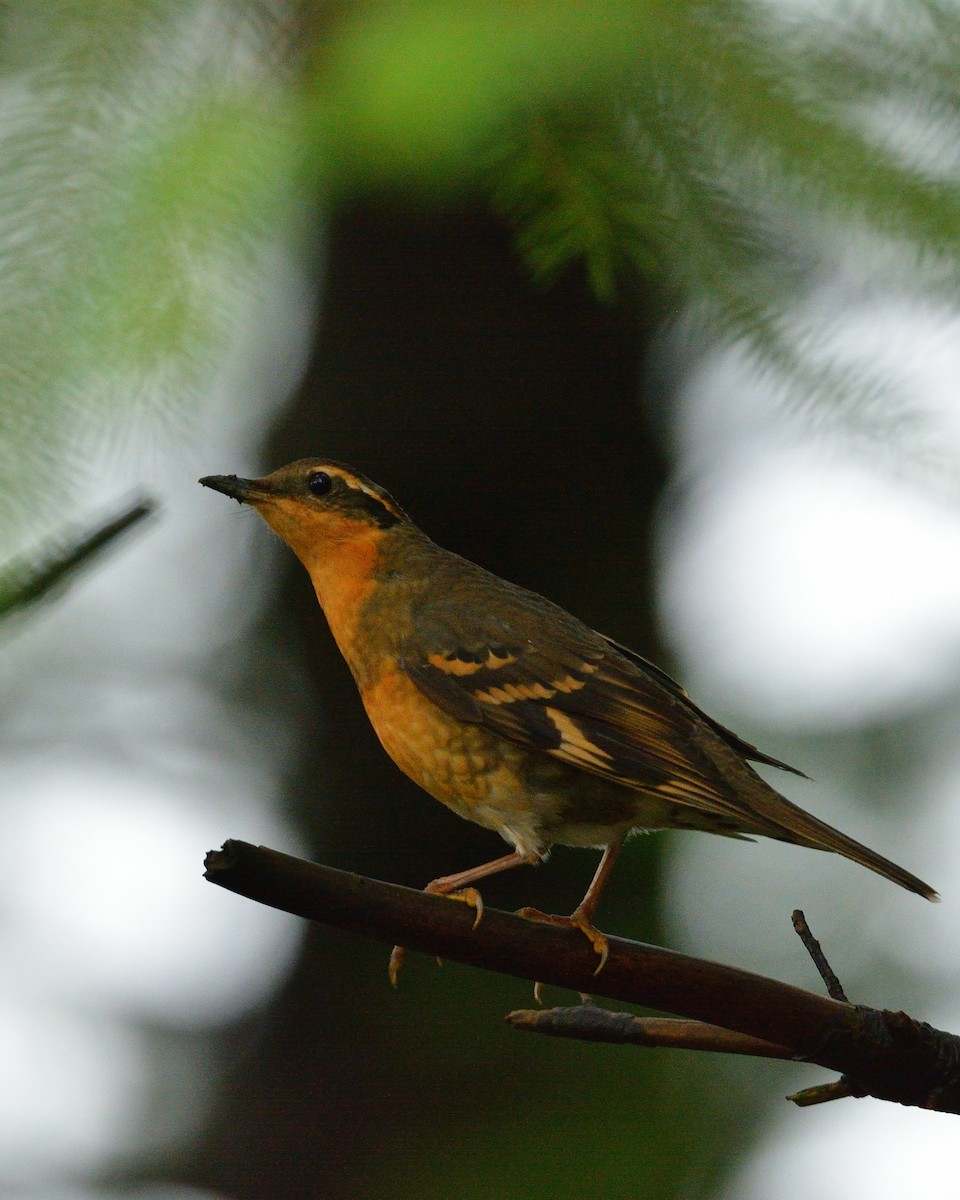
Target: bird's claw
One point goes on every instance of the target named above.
(578, 919)
(467, 895)
(397, 955)
(600, 943)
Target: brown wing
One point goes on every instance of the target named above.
(732, 739)
(537, 676)
(565, 690)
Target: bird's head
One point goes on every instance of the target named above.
(322, 509)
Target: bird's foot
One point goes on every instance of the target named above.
(466, 895)
(578, 919)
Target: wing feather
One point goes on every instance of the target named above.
(529, 672)
(582, 699)
(732, 739)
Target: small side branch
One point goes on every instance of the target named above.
(823, 1093)
(884, 1054)
(813, 948)
(588, 1023)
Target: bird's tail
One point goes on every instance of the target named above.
(798, 826)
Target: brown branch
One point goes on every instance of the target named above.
(884, 1054)
(589, 1023)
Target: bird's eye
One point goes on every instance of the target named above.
(319, 483)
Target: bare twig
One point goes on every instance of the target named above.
(884, 1054)
(589, 1023)
(834, 987)
(839, 1089)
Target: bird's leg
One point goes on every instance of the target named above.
(582, 916)
(457, 887)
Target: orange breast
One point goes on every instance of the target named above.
(464, 766)
(438, 752)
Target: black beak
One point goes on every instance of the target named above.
(241, 490)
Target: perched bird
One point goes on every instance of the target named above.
(509, 710)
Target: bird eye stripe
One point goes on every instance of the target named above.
(352, 492)
(375, 501)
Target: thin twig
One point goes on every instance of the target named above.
(813, 948)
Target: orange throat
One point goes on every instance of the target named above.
(343, 580)
(340, 557)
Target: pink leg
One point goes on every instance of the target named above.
(582, 916)
(457, 887)
(451, 883)
(588, 905)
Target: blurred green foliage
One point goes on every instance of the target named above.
(416, 94)
(150, 152)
